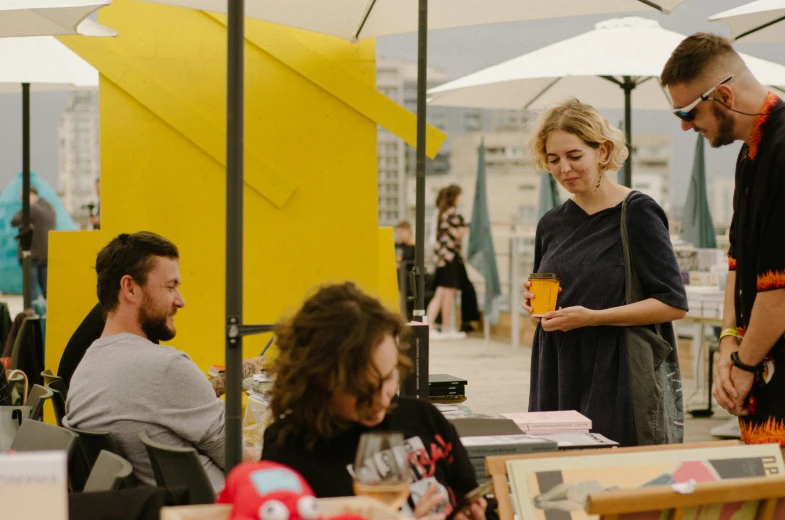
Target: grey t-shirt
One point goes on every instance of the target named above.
(127, 385)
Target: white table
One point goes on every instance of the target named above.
(706, 306)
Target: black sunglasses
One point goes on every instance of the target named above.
(688, 113)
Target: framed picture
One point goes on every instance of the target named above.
(555, 488)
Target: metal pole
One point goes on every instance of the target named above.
(25, 236)
(515, 295)
(234, 230)
(628, 86)
(422, 83)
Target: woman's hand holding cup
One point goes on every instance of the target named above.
(527, 298)
(549, 285)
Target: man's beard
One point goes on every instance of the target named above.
(153, 323)
(725, 128)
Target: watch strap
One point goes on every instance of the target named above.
(734, 357)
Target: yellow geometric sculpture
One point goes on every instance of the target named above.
(312, 111)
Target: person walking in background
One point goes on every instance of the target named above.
(42, 220)
(447, 279)
(580, 351)
(713, 92)
(95, 220)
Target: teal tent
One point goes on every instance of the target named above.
(697, 225)
(549, 194)
(481, 254)
(10, 205)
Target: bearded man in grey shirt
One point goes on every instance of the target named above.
(127, 383)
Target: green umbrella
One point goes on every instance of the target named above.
(697, 227)
(549, 194)
(480, 253)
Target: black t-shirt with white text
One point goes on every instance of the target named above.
(434, 452)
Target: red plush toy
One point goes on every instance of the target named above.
(270, 491)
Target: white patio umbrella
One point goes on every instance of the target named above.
(603, 68)
(757, 22)
(357, 19)
(351, 20)
(50, 18)
(40, 63)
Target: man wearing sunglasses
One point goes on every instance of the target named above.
(714, 93)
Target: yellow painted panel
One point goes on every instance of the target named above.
(71, 287)
(156, 176)
(307, 59)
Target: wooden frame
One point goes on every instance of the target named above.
(496, 467)
(611, 504)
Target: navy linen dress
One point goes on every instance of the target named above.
(586, 369)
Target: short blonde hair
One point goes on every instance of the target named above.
(584, 122)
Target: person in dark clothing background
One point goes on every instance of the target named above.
(86, 333)
(404, 260)
(42, 219)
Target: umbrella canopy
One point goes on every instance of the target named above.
(601, 67)
(549, 194)
(762, 21)
(51, 18)
(43, 62)
(356, 19)
(589, 66)
(697, 225)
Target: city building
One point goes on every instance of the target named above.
(79, 154)
(397, 161)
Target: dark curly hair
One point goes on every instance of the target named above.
(327, 347)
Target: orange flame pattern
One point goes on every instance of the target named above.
(731, 263)
(757, 131)
(771, 280)
(771, 431)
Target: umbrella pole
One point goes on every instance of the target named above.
(422, 82)
(628, 85)
(234, 230)
(25, 233)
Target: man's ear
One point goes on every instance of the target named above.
(129, 289)
(725, 94)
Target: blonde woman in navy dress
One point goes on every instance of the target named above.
(579, 358)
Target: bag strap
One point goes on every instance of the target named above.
(632, 284)
(11, 375)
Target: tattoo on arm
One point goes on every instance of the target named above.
(219, 382)
(219, 385)
(248, 369)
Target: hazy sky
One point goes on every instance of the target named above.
(458, 52)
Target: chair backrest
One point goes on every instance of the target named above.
(59, 391)
(175, 466)
(49, 377)
(93, 442)
(110, 473)
(38, 436)
(35, 400)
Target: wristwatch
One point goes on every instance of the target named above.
(734, 358)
